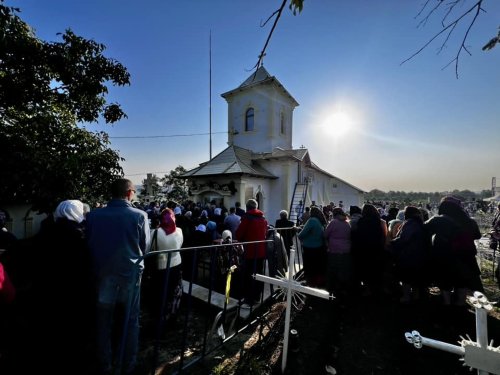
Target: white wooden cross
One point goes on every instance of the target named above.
(476, 354)
(291, 285)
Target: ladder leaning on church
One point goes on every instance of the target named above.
(298, 201)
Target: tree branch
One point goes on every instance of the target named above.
(277, 15)
(449, 28)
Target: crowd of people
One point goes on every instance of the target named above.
(369, 251)
(86, 267)
(88, 278)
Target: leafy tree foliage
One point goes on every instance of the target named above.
(177, 188)
(38, 76)
(46, 90)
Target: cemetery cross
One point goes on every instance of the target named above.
(291, 286)
(476, 354)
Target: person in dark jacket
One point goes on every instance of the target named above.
(453, 252)
(368, 246)
(410, 249)
(64, 289)
(253, 227)
(288, 233)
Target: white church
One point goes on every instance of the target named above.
(260, 161)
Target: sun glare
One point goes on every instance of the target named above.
(337, 125)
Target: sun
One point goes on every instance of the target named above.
(337, 125)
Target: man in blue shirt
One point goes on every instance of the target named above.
(118, 237)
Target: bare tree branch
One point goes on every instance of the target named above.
(423, 22)
(451, 6)
(277, 15)
(262, 24)
(448, 28)
(462, 46)
(422, 9)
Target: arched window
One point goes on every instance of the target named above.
(282, 123)
(249, 120)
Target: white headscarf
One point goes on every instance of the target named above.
(70, 209)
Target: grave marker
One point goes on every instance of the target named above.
(292, 287)
(476, 354)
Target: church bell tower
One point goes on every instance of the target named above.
(260, 113)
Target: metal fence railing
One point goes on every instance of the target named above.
(212, 309)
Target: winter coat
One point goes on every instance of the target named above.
(253, 227)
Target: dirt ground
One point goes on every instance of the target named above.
(362, 336)
(366, 336)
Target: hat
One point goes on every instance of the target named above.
(211, 225)
(227, 235)
(201, 228)
(338, 211)
(188, 214)
(218, 211)
(252, 203)
(400, 215)
(177, 210)
(452, 199)
(354, 210)
(71, 209)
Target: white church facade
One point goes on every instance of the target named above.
(260, 161)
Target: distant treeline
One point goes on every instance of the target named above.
(413, 197)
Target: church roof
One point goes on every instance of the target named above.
(314, 166)
(278, 152)
(260, 77)
(232, 160)
(301, 154)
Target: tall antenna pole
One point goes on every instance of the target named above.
(210, 91)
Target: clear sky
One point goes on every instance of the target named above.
(364, 117)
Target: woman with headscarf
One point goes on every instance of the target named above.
(68, 252)
(166, 237)
(453, 252)
(62, 287)
(313, 244)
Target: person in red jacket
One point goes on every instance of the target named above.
(7, 296)
(253, 227)
(7, 290)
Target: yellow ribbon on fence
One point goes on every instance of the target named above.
(228, 282)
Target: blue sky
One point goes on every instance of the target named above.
(411, 127)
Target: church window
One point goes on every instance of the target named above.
(249, 120)
(282, 123)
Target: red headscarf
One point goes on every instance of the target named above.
(167, 221)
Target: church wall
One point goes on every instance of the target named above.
(268, 104)
(281, 189)
(347, 194)
(262, 186)
(324, 189)
(24, 222)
